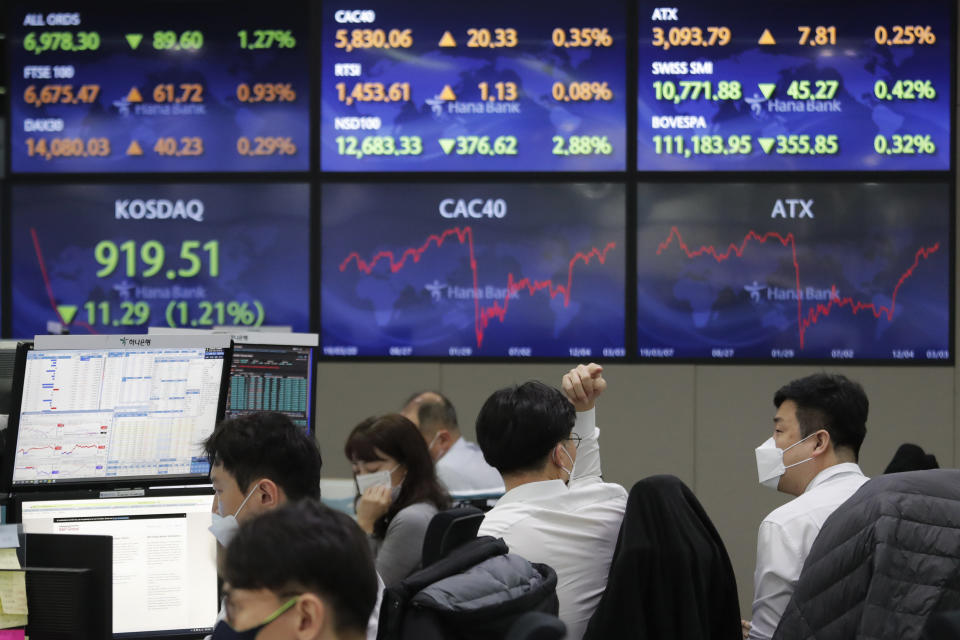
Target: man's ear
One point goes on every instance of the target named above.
(270, 494)
(314, 617)
(822, 440)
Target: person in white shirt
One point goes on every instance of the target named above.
(557, 509)
(820, 423)
(459, 463)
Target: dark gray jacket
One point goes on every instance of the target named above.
(883, 562)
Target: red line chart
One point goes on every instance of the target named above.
(46, 283)
(806, 318)
(482, 315)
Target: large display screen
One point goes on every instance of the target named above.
(111, 258)
(496, 270)
(427, 86)
(819, 85)
(151, 87)
(794, 272)
(164, 558)
(92, 415)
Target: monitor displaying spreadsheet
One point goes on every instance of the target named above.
(95, 415)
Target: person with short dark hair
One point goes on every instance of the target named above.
(399, 491)
(557, 510)
(259, 461)
(301, 571)
(459, 463)
(819, 426)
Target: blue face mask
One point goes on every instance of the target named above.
(223, 631)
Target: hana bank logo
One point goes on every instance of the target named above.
(754, 290)
(436, 289)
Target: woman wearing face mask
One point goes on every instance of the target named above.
(399, 491)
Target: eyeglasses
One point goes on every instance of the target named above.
(577, 439)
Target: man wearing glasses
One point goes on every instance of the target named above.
(557, 509)
(300, 571)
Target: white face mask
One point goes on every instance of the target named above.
(770, 462)
(224, 527)
(573, 464)
(380, 478)
(429, 446)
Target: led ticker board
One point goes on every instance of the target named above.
(819, 85)
(502, 87)
(791, 272)
(473, 270)
(182, 86)
(119, 258)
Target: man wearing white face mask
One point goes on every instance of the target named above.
(260, 462)
(557, 509)
(819, 427)
(459, 463)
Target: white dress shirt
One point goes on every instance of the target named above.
(571, 527)
(785, 538)
(464, 472)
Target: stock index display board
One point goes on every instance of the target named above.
(174, 255)
(473, 270)
(784, 86)
(790, 272)
(159, 87)
(427, 86)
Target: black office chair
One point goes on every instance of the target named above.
(537, 626)
(448, 530)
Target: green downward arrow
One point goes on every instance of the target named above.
(134, 39)
(447, 144)
(766, 143)
(68, 312)
(767, 88)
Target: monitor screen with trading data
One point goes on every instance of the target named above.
(275, 374)
(138, 407)
(164, 559)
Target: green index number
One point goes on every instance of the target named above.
(813, 90)
(152, 256)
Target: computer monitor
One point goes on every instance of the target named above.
(164, 558)
(69, 586)
(270, 372)
(111, 410)
(274, 372)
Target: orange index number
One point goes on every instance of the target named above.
(188, 92)
(691, 37)
(187, 146)
(499, 38)
(817, 36)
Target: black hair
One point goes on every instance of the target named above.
(831, 402)
(307, 547)
(267, 445)
(519, 425)
(400, 439)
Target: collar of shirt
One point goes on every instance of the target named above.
(457, 447)
(831, 472)
(530, 491)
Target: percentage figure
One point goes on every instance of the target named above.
(582, 37)
(905, 90)
(266, 146)
(909, 144)
(267, 39)
(897, 35)
(582, 91)
(266, 92)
